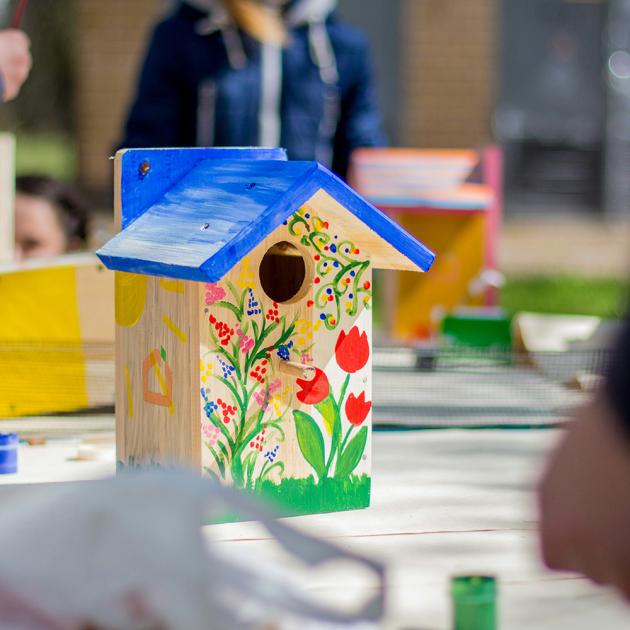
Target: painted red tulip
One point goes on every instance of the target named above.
(315, 390)
(357, 408)
(352, 350)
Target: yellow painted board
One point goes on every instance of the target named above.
(55, 329)
(458, 241)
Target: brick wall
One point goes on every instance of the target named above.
(449, 70)
(110, 38)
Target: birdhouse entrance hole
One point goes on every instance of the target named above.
(285, 273)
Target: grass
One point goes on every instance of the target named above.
(568, 295)
(46, 154)
(562, 294)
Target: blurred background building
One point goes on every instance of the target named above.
(548, 79)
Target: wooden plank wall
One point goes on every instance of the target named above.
(157, 367)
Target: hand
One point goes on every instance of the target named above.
(585, 500)
(15, 62)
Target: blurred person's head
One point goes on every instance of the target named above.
(50, 218)
(267, 20)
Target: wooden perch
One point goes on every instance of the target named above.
(301, 370)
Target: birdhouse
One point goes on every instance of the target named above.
(244, 318)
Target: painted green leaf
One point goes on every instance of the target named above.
(163, 353)
(218, 460)
(351, 455)
(238, 474)
(268, 471)
(329, 413)
(211, 473)
(310, 441)
(230, 307)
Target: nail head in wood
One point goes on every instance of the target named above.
(144, 168)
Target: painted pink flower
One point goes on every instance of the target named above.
(246, 344)
(262, 399)
(211, 432)
(214, 293)
(275, 386)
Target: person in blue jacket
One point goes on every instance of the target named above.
(211, 77)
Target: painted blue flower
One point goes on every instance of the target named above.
(253, 307)
(226, 368)
(210, 407)
(271, 455)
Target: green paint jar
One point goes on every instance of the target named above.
(474, 602)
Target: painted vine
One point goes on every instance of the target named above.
(241, 427)
(339, 270)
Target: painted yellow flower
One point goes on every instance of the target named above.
(304, 330)
(206, 370)
(280, 401)
(246, 277)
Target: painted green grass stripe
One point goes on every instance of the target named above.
(297, 497)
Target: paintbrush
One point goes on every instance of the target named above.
(19, 14)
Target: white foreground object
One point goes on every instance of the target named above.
(128, 554)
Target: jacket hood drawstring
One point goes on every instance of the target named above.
(219, 20)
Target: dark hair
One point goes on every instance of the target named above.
(67, 202)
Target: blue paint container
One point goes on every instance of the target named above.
(8, 453)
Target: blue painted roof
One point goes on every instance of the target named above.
(141, 188)
(221, 209)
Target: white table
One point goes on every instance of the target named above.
(444, 502)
